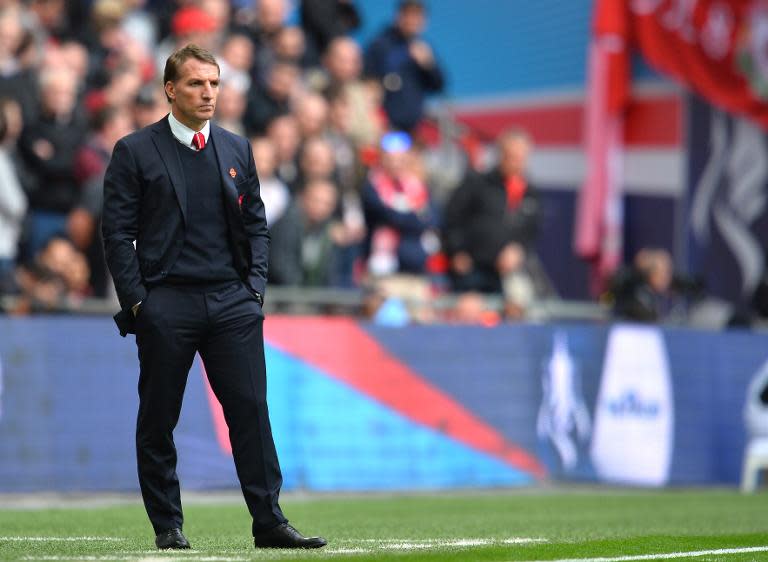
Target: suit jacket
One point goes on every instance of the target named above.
(145, 201)
(478, 220)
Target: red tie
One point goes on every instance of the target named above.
(199, 141)
(515, 191)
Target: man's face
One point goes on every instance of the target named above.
(514, 156)
(193, 95)
(343, 60)
(317, 160)
(59, 95)
(395, 162)
(319, 201)
(411, 21)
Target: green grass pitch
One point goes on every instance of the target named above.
(594, 525)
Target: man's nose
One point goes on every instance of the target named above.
(208, 91)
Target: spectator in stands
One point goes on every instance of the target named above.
(490, 224)
(236, 60)
(650, 291)
(273, 100)
(40, 290)
(230, 107)
(289, 45)
(348, 166)
(406, 66)
(11, 36)
(343, 67)
(323, 21)
(304, 241)
(19, 54)
(274, 193)
(349, 175)
(316, 162)
(13, 201)
(104, 39)
(269, 19)
(311, 111)
(108, 126)
(219, 11)
(62, 258)
(121, 91)
(48, 146)
(190, 24)
(14, 122)
(398, 212)
(283, 131)
(116, 64)
(139, 24)
(51, 17)
(149, 106)
(57, 280)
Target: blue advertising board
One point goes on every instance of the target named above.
(373, 408)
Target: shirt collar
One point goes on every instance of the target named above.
(183, 133)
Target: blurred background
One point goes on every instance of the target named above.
(512, 242)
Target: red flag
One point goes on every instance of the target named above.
(599, 220)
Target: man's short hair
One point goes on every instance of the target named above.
(404, 5)
(514, 134)
(182, 55)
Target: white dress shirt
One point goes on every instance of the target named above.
(184, 134)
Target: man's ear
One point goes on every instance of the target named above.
(170, 91)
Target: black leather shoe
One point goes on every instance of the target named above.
(172, 538)
(285, 536)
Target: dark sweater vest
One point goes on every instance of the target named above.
(205, 256)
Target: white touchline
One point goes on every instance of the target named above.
(157, 557)
(65, 539)
(664, 555)
(449, 542)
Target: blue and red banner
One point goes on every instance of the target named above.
(358, 407)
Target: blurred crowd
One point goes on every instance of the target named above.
(338, 136)
(355, 190)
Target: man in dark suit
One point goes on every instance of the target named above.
(187, 245)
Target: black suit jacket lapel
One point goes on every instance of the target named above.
(238, 237)
(227, 181)
(166, 146)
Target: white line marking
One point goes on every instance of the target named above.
(665, 556)
(155, 558)
(450, 542)
(425, 544)
(60, 539)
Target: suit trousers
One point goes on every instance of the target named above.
(224, 323)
